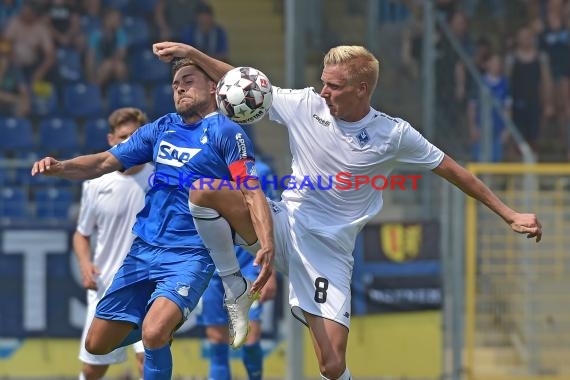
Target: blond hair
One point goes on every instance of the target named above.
(362, 64)
(125, 115)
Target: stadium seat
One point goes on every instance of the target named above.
(58, 134)
(126, 95)
(16, 134)
(162, 101)
(82, 100)
(117, 4)
(69, 67)
(53, 203)
(146, 68)
(142, 7)
(13, 203)
(96, 131)
(45, 101)
(137, 30)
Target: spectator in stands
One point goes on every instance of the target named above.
(555, 43)
(65, 24)
(206, 35)
(172, 16)
(451, 87)
(107, 50)
(529, 75)
(32, 42)
(91, 16)
(496, 81)
(14, 92)
(8, 9)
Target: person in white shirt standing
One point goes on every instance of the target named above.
(109, 205)
(335, 136)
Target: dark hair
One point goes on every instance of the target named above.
(178, 63)
(125, 115)
(204, 8)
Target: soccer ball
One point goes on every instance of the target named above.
(244, 95)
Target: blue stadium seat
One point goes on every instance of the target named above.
(117, 4)
(45, 101)
(126, 95)
(82, 100)
(53, 203)
(137, 30)
(15, 134)
(162, 101)
(96, 131)
(146, 68)
(58, 134)
(142, 7)
(69, 66)
(13, 203)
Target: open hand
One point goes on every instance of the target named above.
(264, 257)
(47, 166)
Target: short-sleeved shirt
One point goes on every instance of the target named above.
(214, 147)
(327, 150)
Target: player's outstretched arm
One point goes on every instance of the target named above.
(167, 51)
(523, 223)
(263, 225)
(81, 167)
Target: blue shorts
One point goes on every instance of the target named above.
(213, 311)
(148, 272)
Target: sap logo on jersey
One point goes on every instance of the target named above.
(173, 155)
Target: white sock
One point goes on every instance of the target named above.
(345, 375)
(216, 234)
(81, 376)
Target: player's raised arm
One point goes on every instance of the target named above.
(81, 167)
(523, 223)
(167, 51)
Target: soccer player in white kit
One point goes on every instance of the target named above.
(109, 205)
(315, 227)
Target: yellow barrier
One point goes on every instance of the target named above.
(517, 322)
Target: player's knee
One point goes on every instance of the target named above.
(93, 372)
(155, 337)
(95, 346)
(332, 367)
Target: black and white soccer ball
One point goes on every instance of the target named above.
(244, 95)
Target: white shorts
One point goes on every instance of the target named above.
(319, 270)
(117, 356)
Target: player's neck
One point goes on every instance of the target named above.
(357, 115)
(196, 117)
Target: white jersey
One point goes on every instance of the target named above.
(322, 147)
(109, 205)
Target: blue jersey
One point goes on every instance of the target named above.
(214, 147)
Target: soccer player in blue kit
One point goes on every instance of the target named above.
(168, 267)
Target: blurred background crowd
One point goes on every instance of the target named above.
(66, 64)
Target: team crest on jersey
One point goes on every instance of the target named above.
(250, 168)
(204, 138)
(172, 155)
(362, 137)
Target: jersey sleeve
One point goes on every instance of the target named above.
(137, 149)
(237, 151)
(288, 104)
(87, 219)
(416, 150)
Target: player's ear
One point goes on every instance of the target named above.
(213, 86)
(362, 89)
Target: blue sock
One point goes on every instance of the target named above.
(158, 363)
(219, 361)
(253, 360)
